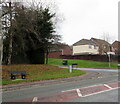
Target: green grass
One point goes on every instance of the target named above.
(83, 63)
(37, 73)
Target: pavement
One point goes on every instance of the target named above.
(88, 75)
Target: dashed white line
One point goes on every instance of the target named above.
(35, 99)
(107, 86)
(79, 93)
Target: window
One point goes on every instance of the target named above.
(95, 47)
(104, 46)
(90, 46)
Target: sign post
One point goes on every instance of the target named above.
(109, 60)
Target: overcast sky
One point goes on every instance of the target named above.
(88, 18)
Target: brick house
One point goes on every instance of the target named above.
(57, 51)
(116, 47)
(104, 46)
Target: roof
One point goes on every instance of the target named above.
(100, 41)
(84, 42)
(58, 47)
(116, 44)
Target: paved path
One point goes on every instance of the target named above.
(91, 69)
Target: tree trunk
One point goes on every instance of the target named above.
(10, 37)
(47, 57)
(10, 50)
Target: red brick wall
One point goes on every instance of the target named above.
(55, 54)
(67, 50)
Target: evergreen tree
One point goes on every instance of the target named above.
(32, 33)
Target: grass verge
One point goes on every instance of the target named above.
(37, 73)
(83, 63)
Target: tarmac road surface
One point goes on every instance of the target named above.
(108, 96)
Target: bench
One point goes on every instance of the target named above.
(14, 74)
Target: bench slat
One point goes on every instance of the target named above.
(16, 72)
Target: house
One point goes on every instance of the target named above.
(85, 46)
(104, 46)
(58, 50)
(116, 47)
(92, 46)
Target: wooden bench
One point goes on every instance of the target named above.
(14, 74)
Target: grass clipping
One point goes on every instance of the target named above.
(37, 73)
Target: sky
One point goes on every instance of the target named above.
(88, 18)
(84, 19)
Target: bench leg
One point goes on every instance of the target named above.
(13, 77)
(23, 76)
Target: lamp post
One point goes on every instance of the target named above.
(109, 59)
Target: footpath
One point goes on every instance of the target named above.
(88, 75)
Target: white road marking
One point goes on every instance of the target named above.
(99, 92)
(99, 77)
(80, 88)
(68, 90)
(79, 93)
(35, 99)
(107, 86)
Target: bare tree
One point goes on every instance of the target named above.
(8, 13)
(106, 36)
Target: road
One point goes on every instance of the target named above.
(109, 96)
(58, 92)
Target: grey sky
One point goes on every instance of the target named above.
(88, 18)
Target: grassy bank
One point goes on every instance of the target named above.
(37, 72)
(83, 63)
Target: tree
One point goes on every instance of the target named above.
(32, 30)
(106, 36)
(7, 18)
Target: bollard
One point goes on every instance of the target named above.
(70, 68)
